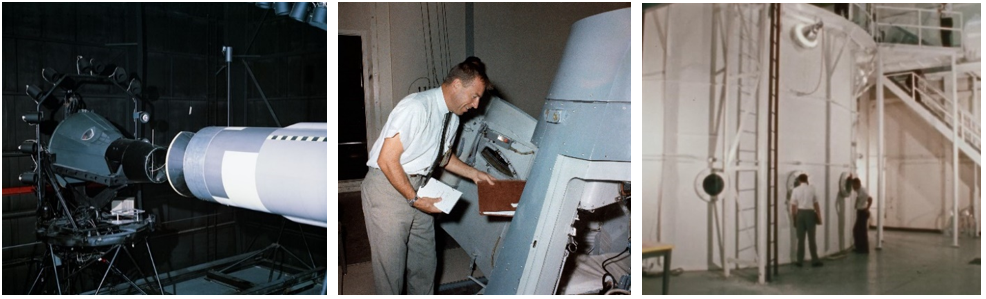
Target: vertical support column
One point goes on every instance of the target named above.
(728, 250)
(880, 161)
(762, 160)
(956, 126)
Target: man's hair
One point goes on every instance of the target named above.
(857, 182)
(467, 71)
(803, 178)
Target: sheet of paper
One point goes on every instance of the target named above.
(436, 188)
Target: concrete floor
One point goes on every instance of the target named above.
(359, 277)
(910, 263)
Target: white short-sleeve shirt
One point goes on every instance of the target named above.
(419, 119)
(861, 196)
(803, 197)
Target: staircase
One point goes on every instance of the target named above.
(932, 105)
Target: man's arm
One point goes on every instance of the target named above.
(869, 202)
(390, 164)
(794, 212)
(818, 213)
(458, 167)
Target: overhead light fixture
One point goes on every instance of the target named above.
(319, 16)
(264, 5)
(806, 35)
(300, 11)
(282, 8)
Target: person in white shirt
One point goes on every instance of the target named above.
(416, 139)
(804, 207)
(859, 230)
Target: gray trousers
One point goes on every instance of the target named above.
(806, 224)
(402, 239)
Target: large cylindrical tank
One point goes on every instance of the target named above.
(705, 89)
(274, 170)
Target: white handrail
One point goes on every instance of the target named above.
(969, 127)
(919, 26)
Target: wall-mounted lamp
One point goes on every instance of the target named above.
(806, 35)
(300, 11)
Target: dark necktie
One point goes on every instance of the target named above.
(441, 150)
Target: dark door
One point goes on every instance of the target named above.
(352, 109)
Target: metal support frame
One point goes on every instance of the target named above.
(956, 126)
(110, 267)
(881, 160)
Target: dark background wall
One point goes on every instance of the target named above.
(175, 49)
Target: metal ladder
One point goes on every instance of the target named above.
(746, 143)
(773, 200)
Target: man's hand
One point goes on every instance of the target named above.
(458, 167)
(427, 205)
(482, 176)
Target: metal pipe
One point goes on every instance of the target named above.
(228, 51)
(112, 260)
(956, 126)
(881, 184)
(156, 276)
(54, 269)
(762, 165)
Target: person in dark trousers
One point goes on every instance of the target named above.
(842, 9)
(416, 139)
(944, 11)
(860, 229)
(807, 214)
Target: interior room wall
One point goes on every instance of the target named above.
(919, 169)
(521, 44)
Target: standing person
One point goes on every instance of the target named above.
(417, 138)
(944, 14)
(803, 201)
(842, 9)
(860, 229)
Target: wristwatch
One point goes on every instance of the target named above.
(410, 202)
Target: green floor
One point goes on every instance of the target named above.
(910, 263)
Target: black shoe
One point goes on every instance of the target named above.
(816, 264)
(797, 265)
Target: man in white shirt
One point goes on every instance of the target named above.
(417, 138)
(804, 207)
(860, 230)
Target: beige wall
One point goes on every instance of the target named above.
(521, 44)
